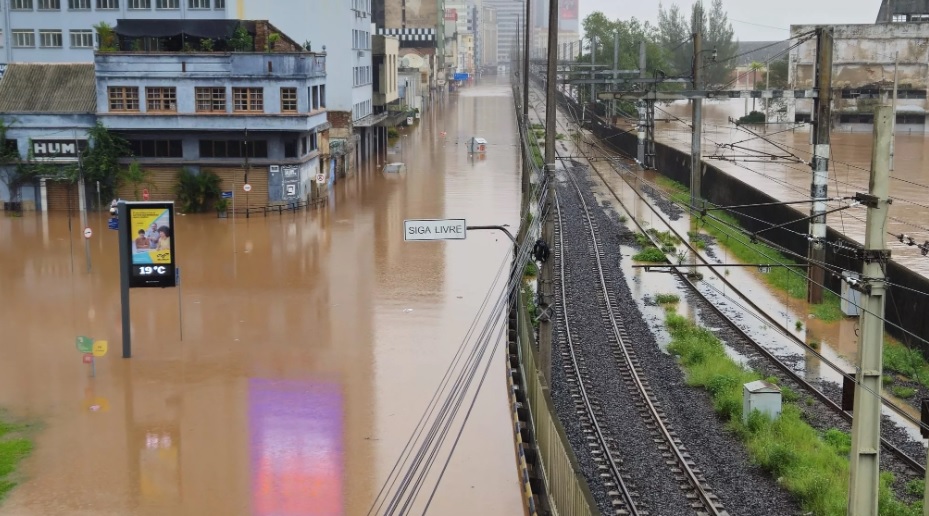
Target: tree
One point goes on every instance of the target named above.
(108, 40)
(136, 176)
(675, 34)
(778, 73)
(718, 34)
(100, 159)
(631, 33)
(241, 40)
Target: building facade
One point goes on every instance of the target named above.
(509, 13)
(865, 61)
(487, 43)
(62, 31)
(341, 29)
(420, 26)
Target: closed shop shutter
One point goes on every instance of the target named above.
(59, 194)
(233, 179)
(160, 188)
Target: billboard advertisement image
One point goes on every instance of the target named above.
(567, 10)
(151, 244)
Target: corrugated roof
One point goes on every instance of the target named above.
(48, 88)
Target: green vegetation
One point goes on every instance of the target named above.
(651, 255)
(206, 45)
(798, 326)
(531, 307)
(13, 448)
(813, 466)
(196, 192)
(241, 40)
(135, 176)
(905, 361)
(755, 117)
(560, 136)
(531, 270)
(902, 392)
(537, 127)
(830, 309)
(393, 132)
(916, 488)
(273, 38)
(623, 219)
(667, 299)
(106, 36)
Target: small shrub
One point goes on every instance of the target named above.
(887, 379)
(667, 299)
(798, 325)
(623, 219)
(840, 441)
(651, 255)
(532, 270)
(642, 240)
(195, 192)
(206, 45)
(916, 488)
(903, 392)
(755, 117)
(814, 344)
(393, 132)
(789, 395)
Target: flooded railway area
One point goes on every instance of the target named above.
(311, 343)
(848, 169)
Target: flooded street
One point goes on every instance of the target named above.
(848, 169)
(312, 342)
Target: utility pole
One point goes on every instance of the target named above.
(866, 426)
(615, 73)
(526, 51)
(524, 123)
(642, 109)
(822, 111)
(593, 72)
(548, 229)
(696, 151)
(893, 125)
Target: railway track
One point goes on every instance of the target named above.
(686, 473)
(906, 459)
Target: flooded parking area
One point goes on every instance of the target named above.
(291, 366)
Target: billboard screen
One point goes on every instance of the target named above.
(567, 10)
(295, 437)
(151, 244)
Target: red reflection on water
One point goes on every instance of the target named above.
(296, 448)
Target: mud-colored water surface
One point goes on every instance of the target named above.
(312, 341)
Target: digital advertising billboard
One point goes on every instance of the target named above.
(151, 245)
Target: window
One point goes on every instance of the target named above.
(290, 148)
(156, 148)
(107, 4)
(123, 98)
(10, 147)
(233, 149)
(288, 100)
(50, 38)
(1, 38)
(168, 4)
(899, 18)
(313, 143)
(23, 38)
(76, 5)
(49, 5)
(303, 149)
(211, 100)
(21, 5)
(161, 99)
(198, 4)
(140, 4)
(82, 39)
(248, 100)
(911, 119)
(856, 119)
(219, 4)
(322, 96)
(314, 98)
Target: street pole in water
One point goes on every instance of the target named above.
(124, 265)
(546, 286)
(866, 425)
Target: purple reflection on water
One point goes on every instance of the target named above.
(296, 447)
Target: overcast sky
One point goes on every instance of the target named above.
(775, 16)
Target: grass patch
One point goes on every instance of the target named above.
(651, 255)
(810, 465)
(537, 126)
(916, 488)
(13, 448)
(531, 307)
(830, 309)
(667, 299)
(560, 136)
(902, 392)
(905, 361)
(531, 270)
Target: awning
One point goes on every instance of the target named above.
(370, 120)
(212, 29)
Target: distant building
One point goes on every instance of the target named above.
(509, 14)
(420, 26)
(903, 11)
(488, 39)
(865, 59)
(62, 31)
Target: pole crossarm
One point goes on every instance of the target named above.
(704, 94)
(756, 233)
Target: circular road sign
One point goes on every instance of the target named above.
(247, 187)
(88, 232)
(145, 194)
(320, 178)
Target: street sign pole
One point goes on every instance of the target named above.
(124, 251)
(180, 310)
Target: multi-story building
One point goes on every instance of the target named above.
(342, 29)
(236, 98)
(865, 60)
(509, 15)
(420, 27)
(488, 40)
(386, 85)
(62, 31)
(896, 11)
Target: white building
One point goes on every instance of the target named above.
(341, 28)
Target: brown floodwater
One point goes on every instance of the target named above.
(848, 170)
(312, 342)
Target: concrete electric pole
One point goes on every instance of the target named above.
(546, 286)
(866, 426)
(822, 125)
(696, 150)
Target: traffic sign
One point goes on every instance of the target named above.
(145, 194)
(113, 223)
(88, 358)
(88, 232)
(227, 194)
(100, 348)
(247, 187)
(320, 178)
(85, 344)
(435, 229)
